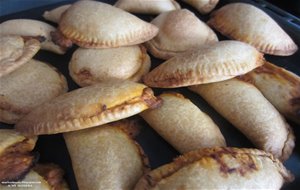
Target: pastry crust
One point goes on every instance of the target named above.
(281, 87)
(27, 87)
(243, 105)
(219, 168)
(147, 7)
(55, 14)
(183, 124)
(16, 51)
(88, 107)
(98, 30)
(203, 6)
(209, 63)
(245, 22)
(91, 66)
(179, 31)
(32, 28)
(108, 154)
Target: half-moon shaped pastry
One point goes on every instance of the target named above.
(16, 158)
(55, 14)
(108, 154)
(280, 87)
(248, 110)
(179, 31)
(209, 63)
(107, 27)
(203, 6)
(32, 28)
(15, 51)
(27, 87)
(88, 107)
(147, 7)
(218, 168)
(91, 66)
(183, 124)
(247, 23)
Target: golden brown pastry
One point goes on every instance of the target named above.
(27, 87)
(179, 31)
(108, 154)
(218, 168)
(245, 22)
(15, 51)
(32, 28)
(183, 124)
(247, 109)
(88, 107)
(203, 6)
(91, 66)
(280, 87)
(209, 63)
(55, 14)
(107, 27)
(16, 158)
(147, 7)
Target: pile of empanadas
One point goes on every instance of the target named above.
(118, 92)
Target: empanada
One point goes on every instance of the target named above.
(203, 6)
(16, 158)
(147, 7)
(88, 107)
(32, 28)
(55, 14)
(183, 124)
(209, 63)
(179, 31)
(91, 66)
(27, 87)
(15, 51)
(218, 168)
(108, 154)
(280, 87)
(247, 23)
(247, 109)
(107, 27)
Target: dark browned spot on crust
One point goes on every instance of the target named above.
(38, 38)
(84, 74)
(152, 101)
(59, 39)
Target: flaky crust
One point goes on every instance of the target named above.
(179, 31)
(280, 87)
(219, 168)
(203, 6)
(27, 87)
(245, 22)
(247, 109)
(98, 30)
(209, 63)
(183, 124)
(88, 107)
(108, 154)
(147, 7)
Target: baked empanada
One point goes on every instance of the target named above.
(147, 7)
(183, 124)
(203, 6)
(280, 87)
(247, 23)
(107, 27)
(108, 154)
(27, 87)
(91, 66)
(16, 158)
(247, 109)
(88, 107)
(32, 28)
(179, 31)
(209, 63)
(55, 14)
(15, 51)
(218, 168)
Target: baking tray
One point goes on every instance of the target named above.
(53, 149)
